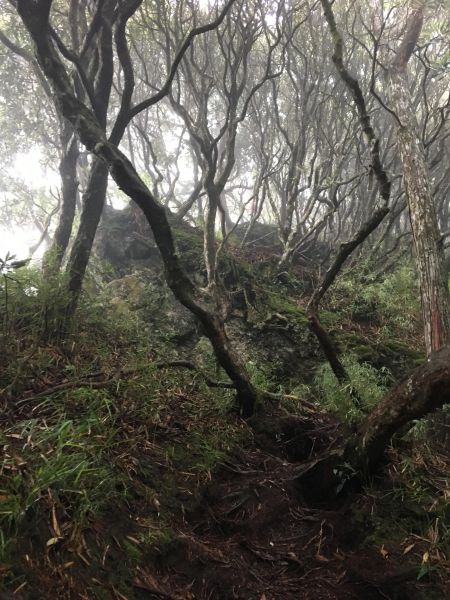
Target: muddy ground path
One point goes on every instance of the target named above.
(254, 537)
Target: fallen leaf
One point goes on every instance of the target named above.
(322, 558)
(384, 553)
(52, 541)
(408, 548)
(56, 528)
(133, 539)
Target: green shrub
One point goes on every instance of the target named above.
(32, 304)
(369, 384)
(392, 300)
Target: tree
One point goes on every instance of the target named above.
(428, 388)
(416, 179)
(91, 132)
(220, 78)
(197, 88)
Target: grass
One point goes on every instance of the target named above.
(144, 447)
(60, 458)
(99, 478)
(410, 513)
(370, 385)
(133, 451)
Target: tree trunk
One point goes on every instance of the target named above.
(92, 135)
(93, 202)
(69, 183)
(312, 309)
(427, 240)
(425, 390)
(209, 239)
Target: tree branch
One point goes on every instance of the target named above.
(121, 374)
(178, 58)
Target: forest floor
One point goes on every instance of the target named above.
(252, 539)
(123, 480)
(244, 529)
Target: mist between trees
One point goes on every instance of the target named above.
(322, 126)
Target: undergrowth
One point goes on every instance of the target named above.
(84, 445)
(388, 301)
(410, 514)
(370, 385)
(96, 474)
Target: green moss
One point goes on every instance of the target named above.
(402, 349)
(132, 551)
(395, 354)
(329, 318)
(190, 243)
(351, 342)
(284, 305)
(160, 538)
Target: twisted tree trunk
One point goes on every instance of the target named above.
(92, 134)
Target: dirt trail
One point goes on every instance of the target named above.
(252, 539)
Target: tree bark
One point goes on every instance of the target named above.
(429, 252)
(93, 203)
(69, 184)
(425, 390)
(312, 310)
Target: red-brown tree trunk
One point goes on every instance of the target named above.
(428, 388)
(427, 240)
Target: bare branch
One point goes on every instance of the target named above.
(178, 58)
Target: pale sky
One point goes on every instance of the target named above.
(28, 168)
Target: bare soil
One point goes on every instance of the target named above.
(252, 539)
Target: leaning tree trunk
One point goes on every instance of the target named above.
(425, 390)
(35, 18)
